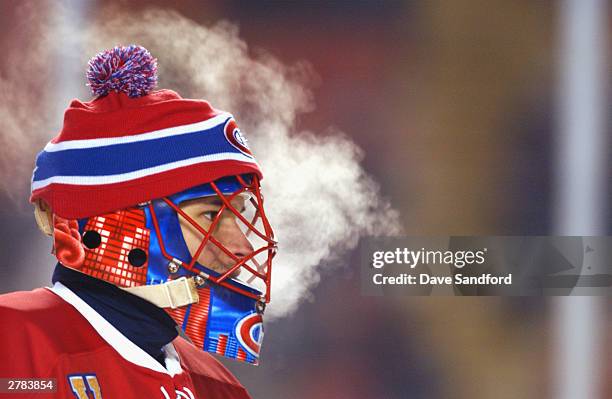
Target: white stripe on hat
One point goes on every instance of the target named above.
(171, 131)
(123, 177)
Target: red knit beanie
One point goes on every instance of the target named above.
(131, 144)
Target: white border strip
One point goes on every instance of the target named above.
(157, 134)
(126, 348)
(123, 177)
(163, 390)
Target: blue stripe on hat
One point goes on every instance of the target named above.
(128, 157)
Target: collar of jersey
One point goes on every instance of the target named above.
(126, 348)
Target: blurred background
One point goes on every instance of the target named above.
(467, 114)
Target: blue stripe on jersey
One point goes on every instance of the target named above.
(123, 158)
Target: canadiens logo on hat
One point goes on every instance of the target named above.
(236, 138)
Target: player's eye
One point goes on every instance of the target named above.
(210, 215)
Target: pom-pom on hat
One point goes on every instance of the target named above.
(130, 144)
(131, 70)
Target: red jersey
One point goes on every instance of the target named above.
(52, 333)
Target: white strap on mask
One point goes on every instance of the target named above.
(172, 294)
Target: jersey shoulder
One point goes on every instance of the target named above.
(38, 326)
(35, 302)
(207, 373)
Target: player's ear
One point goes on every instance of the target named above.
(67, 245)
(44, 217)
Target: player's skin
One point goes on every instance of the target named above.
(227, 232)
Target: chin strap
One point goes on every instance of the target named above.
(172, 294)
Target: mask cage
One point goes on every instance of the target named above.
(255, 265)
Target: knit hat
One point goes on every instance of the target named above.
(130, 144)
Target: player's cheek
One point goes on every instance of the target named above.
(211, 257)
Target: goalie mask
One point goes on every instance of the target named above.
(161, 196)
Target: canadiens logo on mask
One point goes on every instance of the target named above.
(161, 196)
